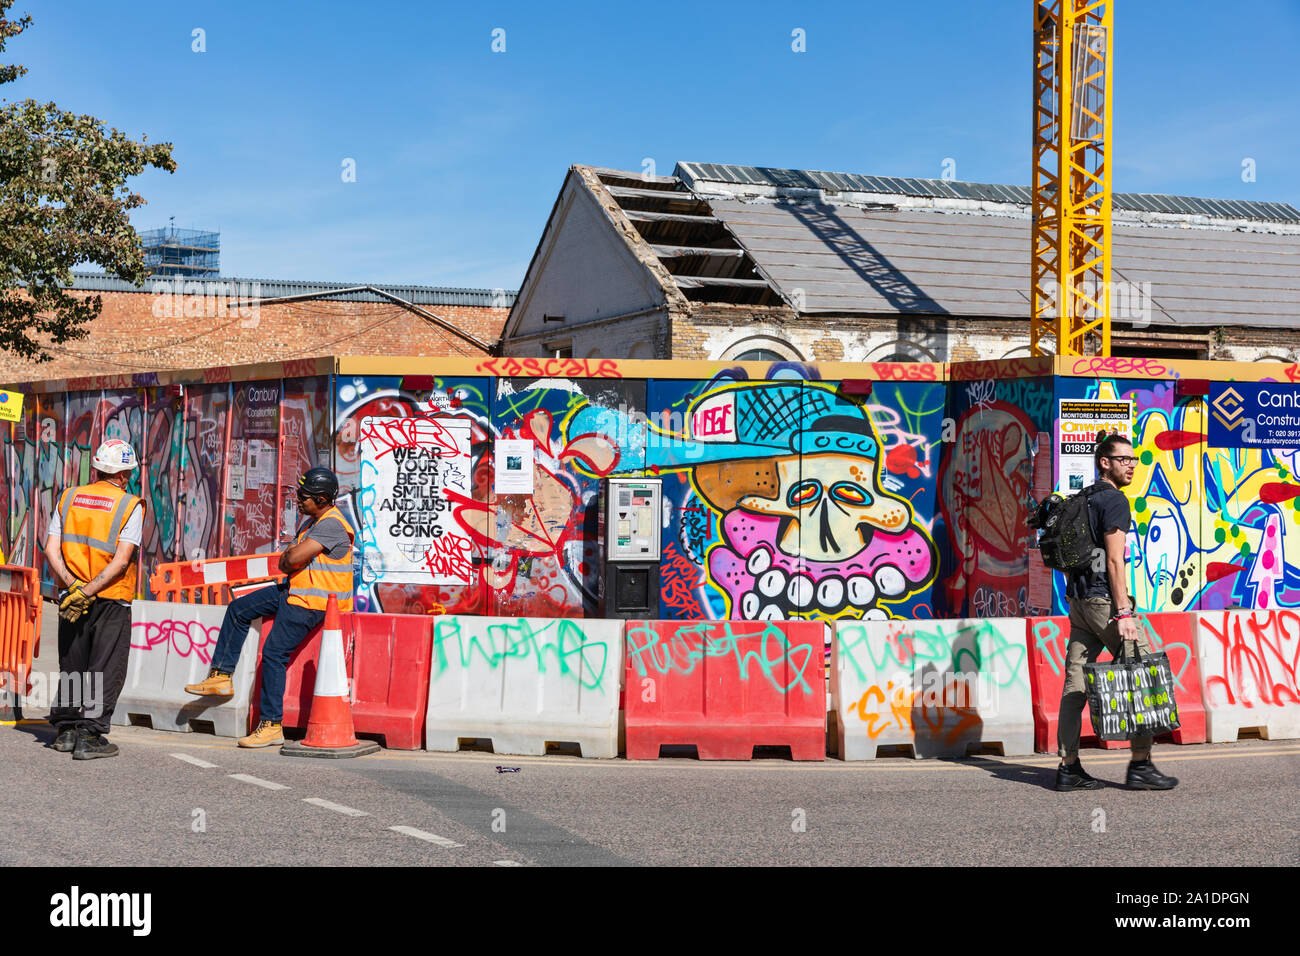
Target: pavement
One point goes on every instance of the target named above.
(193, 799)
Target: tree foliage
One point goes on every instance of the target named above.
(63, 202)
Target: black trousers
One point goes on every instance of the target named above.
(92, 667)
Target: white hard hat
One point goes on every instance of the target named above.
(113, 456)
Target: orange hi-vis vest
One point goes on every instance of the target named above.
(93, 516)
(312, 586)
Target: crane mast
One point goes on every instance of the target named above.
(1070, 295)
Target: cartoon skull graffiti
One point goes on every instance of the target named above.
(807, 530)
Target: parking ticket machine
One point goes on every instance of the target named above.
(633, 524)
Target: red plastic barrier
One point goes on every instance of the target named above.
(388, 659)
(1175, 634)
(1171, 632)
(726, 687)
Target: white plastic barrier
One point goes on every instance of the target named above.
(524, 683)
(1248, 662)
(171, 646)
(939, 687)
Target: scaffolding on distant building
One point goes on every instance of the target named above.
(181, 252)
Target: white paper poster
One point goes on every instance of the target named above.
(1077, 428)
(513, 474)
(408, 533)
(261, 463)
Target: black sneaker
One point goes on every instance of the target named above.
(89, 746)
(65, 741)
(1143, 775)
(1074, 777)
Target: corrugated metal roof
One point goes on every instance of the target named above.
(694, 173)
(278, 288)
(848, 259)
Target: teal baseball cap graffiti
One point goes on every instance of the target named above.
(752, 419)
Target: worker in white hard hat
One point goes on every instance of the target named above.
(91, 549)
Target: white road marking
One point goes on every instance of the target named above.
(258, 781)
(430, 837)
(336, 807)
(506, 863)
(194, 760)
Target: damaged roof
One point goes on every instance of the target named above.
(846, 243)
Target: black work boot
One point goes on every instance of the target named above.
(91, 745)
(1074, 777)
(1143, 775)
(65, 741)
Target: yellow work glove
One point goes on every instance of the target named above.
(74, 602)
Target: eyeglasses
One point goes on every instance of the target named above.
(1123, 459)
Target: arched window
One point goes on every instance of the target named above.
(760, 348)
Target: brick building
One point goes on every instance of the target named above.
(188, 323)
(736, 262)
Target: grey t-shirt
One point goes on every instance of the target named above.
(334, 540)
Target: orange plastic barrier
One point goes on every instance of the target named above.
(209, 582)
(20, 629)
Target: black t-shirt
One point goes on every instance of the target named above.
(1107, 509)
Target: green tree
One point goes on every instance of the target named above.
(63, 202)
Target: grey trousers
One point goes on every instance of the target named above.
(1091, 631)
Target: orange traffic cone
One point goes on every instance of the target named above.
(329, 724)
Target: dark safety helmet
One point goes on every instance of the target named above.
(319, 482)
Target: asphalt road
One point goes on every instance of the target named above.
(187, 799)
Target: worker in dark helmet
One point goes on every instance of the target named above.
(318, 564)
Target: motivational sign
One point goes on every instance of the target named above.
(1080, 421)
(1254, 415)
(408, 467)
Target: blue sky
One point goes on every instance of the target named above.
(460, 151)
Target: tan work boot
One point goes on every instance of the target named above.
(216, 684)
(267, 733)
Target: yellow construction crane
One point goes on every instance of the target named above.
(1070, 254)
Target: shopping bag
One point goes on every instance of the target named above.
(1131, 696)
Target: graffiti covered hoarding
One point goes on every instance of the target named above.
(999, 458)
(305, 441)
(544, 548)
(357, 398)
(789, 500)
(410, 470)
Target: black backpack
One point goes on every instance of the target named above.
(1064, 531)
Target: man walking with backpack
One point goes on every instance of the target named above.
(1101, 616)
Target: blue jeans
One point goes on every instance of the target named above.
(290, 628)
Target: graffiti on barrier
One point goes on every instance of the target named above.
(182, 638)
(561, 646)
(975, 647)
(1251, 658)
(662, 648)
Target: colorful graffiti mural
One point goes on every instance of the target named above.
(790, 500)
(357, 399)
(203, 471)
(1213, 528)
(784, 497)
(987, 479)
